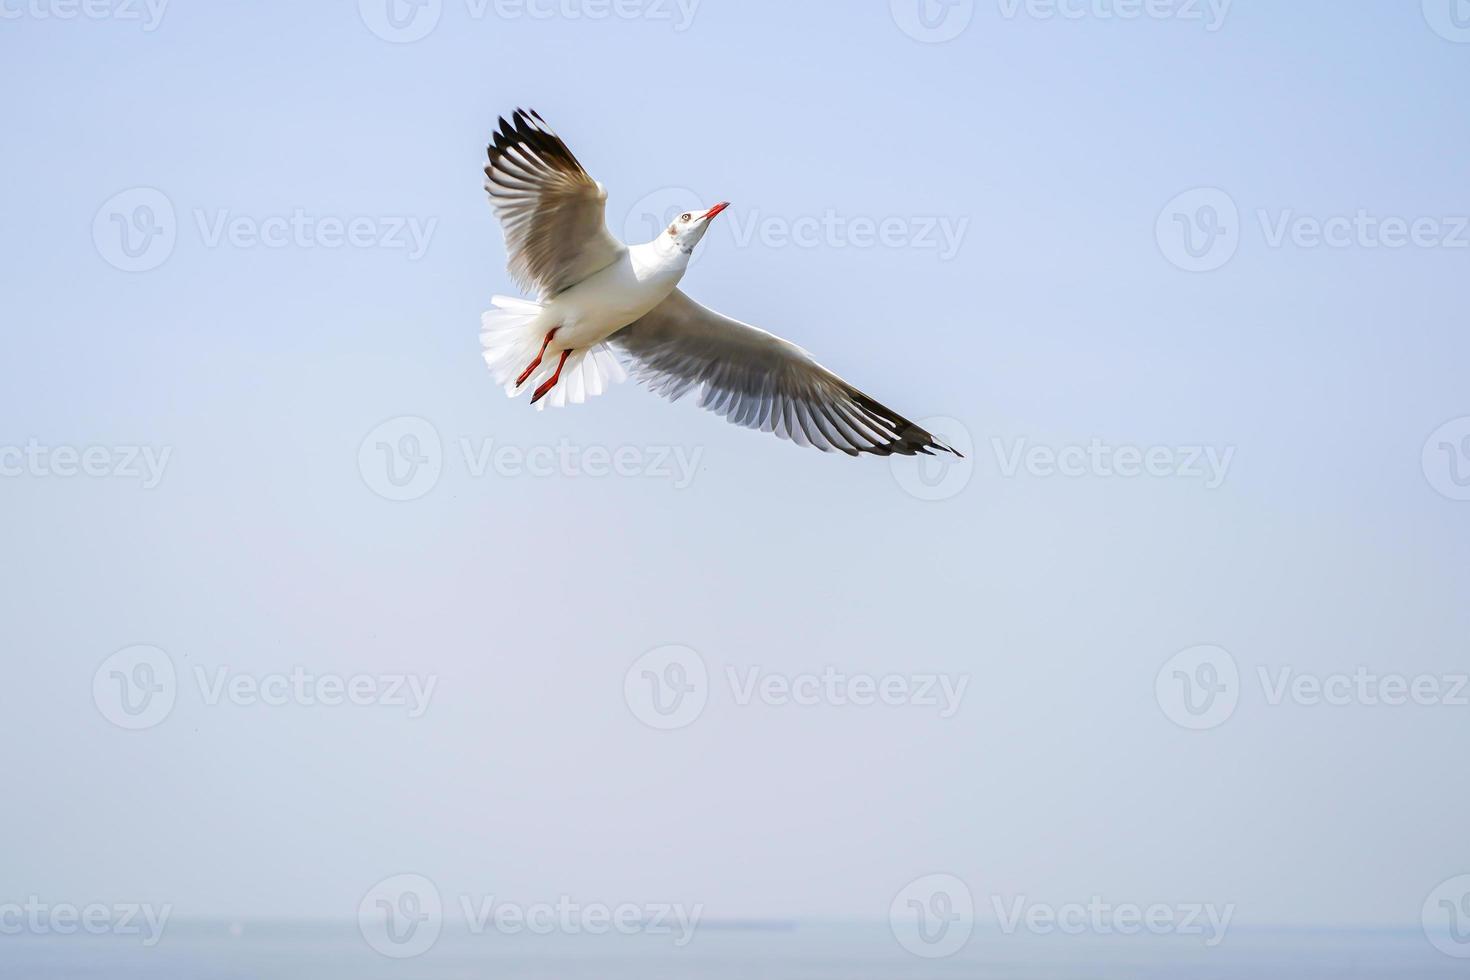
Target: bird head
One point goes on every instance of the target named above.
(687, 229)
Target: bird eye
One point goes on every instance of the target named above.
(684, 216)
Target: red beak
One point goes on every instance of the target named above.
(716, 210)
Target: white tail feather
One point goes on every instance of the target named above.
(512, 338)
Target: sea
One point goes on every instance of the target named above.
(262, 950)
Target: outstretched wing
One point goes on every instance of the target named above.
(551, 210)
(760, 381)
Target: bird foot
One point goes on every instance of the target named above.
(537, 362)
(550, 382)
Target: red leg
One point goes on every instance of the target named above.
(537, 362)
(551, 382)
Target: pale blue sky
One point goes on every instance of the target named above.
(1058, 319)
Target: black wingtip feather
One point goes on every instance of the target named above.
(912, 440)
(527, 128)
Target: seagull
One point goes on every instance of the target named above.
(602, 303)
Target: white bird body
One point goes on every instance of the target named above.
(602, 300)
(599, 306)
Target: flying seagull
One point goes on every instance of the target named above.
(602, 302)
